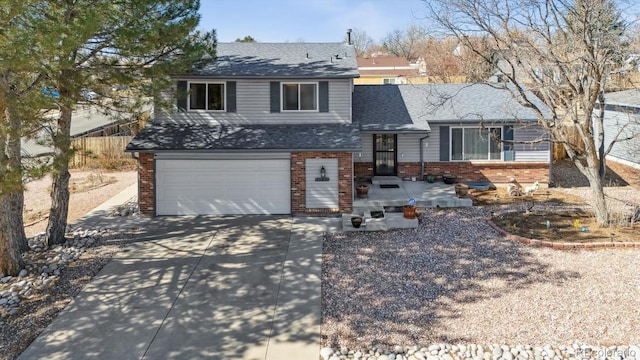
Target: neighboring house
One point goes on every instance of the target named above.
(622, 121)
(414, 130)
(281, 129)
(385, 69)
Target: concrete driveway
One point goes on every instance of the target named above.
(200, 287)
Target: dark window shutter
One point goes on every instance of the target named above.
(445, 142)
(507, 134)
(323, 92)
(181, 95)
(231, 96)
(275, 96)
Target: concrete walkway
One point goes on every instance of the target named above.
(245, 287)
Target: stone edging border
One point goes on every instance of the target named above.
(557, 245)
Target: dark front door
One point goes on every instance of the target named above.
(384, 154)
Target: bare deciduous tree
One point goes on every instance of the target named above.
(361, 41)
(404, 43)
(562, 49)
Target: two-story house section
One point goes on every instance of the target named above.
(264, 129)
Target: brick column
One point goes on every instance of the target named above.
(146, 184)
(298, 181)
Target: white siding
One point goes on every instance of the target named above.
(321, 194)
(218, 187)
(530, 152)
(253, 106)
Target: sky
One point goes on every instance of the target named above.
(307, 20)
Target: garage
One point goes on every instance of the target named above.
(223, 184)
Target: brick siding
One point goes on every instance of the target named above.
(146, 184)
(298, 181)
(498, 172)
(523, 172)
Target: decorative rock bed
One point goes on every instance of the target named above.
(480, 352)
(43, 265)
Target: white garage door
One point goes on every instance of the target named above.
(218, 187)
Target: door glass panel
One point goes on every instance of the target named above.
(385, 154)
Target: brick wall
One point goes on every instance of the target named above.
(298, 181)
(363, 171)
(499, 172)
(146, 184)
(524, 172)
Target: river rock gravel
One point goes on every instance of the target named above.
(52, 277)
(454, 280)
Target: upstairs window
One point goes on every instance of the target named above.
(300, 96)
(471, 143)
(389, 81)
(206, 96)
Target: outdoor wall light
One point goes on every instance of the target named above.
(323, 175)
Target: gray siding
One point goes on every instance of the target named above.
(409, 144)
(432, 148)
(253, 106)
(530, 152)
(614, 121)
(408, 148)
(367, 149)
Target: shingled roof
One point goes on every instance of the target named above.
(211, 137)
(281, 60)
(412, 107)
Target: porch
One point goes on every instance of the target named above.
(382, 192)
(382, 208)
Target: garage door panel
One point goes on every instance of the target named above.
(188, 187)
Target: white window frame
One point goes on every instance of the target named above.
(451, 128)
(317, 85)
(207, 83)
(390, 81)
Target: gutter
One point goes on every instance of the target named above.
(214, 151)
(422, 139)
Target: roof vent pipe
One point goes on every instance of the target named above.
(349, 37)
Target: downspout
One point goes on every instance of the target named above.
(422, 156)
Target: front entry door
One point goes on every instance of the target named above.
(385, 154)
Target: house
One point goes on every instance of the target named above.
(415, 130)
(385, 69)
(282, 129)
(251, 133)
(622, 121)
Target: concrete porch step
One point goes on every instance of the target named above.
(388, 222)
(386, 180)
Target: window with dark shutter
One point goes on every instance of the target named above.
(275, 96)
(231, 96)
(181, 96)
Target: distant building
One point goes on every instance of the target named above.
(385, 69)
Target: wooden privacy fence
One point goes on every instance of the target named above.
(558, 151)
(100, 151)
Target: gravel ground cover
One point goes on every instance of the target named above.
(52, 277)
(455, 280)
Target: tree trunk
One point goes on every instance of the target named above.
(598, 201)
(11, 236)
(57, 225)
